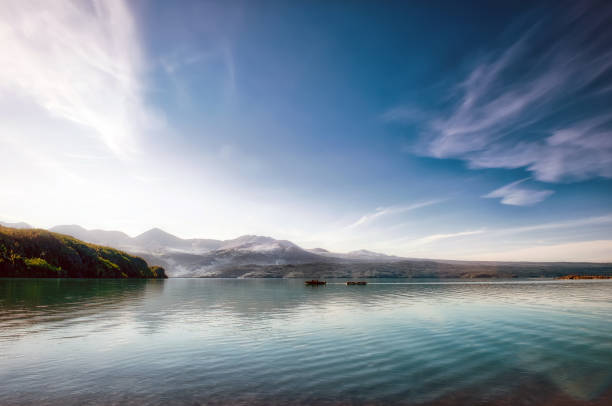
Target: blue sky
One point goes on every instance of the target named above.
(440, 129)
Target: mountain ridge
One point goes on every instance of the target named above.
(157, 237)
(201, 257)
(263, 256)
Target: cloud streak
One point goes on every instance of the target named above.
(587, 251)
(490, 234)
(516, 195)
(388, 211)
(502, 113)
(437, 237)
(587, 221)
(78, 61)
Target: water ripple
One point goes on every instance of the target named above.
(219, 342)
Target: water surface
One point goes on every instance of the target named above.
(218, 342)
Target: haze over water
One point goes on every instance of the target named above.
(212, 341)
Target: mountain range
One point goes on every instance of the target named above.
(205, 257)
(261, 256)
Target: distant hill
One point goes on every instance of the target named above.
(101, 237)
(15, 225)
(154, 240)
(358, 255)
(158, 240)
(44, 254)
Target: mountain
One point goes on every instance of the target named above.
(245, 250)
(43, 254)
(369, 255)
(101, 237)
(321, 251)
(359, 255)
(15, 225)
(256, 243)
(157, 239)
(154, 240)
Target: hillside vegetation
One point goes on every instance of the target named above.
(35, 253)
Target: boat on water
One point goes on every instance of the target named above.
(350, 283)
(315, 282)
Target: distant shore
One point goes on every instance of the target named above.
(585, 277)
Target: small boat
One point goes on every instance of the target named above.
(350, 283)
(315, 282)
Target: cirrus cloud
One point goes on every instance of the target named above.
(515, 195)
(78, 61)
(524, 106)
(392, 210)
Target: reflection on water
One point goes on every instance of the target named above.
(203, 341)
(29, 305)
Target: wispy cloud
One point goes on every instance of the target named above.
(516, 195)
(436, 237)
(79, 61)
(388, 211)
(483, 244)
(576, 223)
(588, 251)
(510, 110)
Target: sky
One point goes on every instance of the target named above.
(458, 130)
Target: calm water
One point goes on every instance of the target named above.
(198, 341)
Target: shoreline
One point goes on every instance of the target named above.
(571, 277)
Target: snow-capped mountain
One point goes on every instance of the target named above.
(252, 250)
(372, 256)
(358, 255)
(257, 243)
(322, 251)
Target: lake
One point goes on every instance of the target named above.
(263, 341)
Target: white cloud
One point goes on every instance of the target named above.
(388, 211)
(501, 117)
(588, 221)
(79, 61)
(436, 237)
(471, 244)
(515, 195)
(73, 117)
